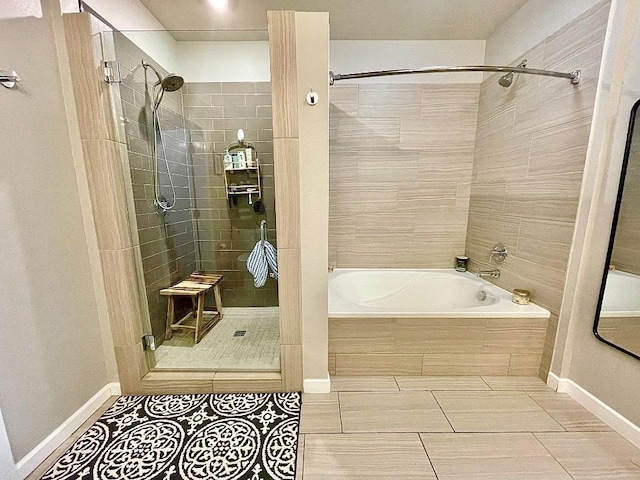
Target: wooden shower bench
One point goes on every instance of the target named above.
(196, 287)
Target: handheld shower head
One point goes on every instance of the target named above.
(172, 82)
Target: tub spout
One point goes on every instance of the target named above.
(493, 273)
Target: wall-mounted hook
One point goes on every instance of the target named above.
(312, 98)
(9, 78)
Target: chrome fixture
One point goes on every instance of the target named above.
(111, 71)
(170, 83)
(263, 230)
(498, 254)
(8, 79)
(506, 80)
(493, 273)
(574, 75)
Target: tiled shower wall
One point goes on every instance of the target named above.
(529, 157)
(167, 243)
(401, 158)
(227, 232)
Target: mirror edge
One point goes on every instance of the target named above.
(614, 226)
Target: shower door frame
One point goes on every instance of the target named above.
(117, 258)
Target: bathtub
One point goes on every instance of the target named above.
(420, 293)
(621, 297)
(430, 322)
(620, 313)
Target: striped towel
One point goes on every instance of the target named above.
(272, 258)
(262, 258)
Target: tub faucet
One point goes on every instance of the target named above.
(493, 273)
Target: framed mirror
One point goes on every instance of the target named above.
(617, 321)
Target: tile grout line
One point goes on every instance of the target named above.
(424, 447)
(545, 410)
(443, 413)
(549, 452)
(340, 412)
(485, 382)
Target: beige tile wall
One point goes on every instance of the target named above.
(167, 244)
(529, 155)
(226, 234)
(401, 159)
(626, 251)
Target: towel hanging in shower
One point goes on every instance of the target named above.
(262, 258)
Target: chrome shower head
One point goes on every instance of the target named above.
(506, 80)
(172, 82)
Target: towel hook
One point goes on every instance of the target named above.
(263, 230)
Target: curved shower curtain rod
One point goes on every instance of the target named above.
(574, 75)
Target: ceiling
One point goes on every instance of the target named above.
(349, 19)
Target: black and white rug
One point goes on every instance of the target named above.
(175, 437)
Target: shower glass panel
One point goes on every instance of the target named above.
(184, 97)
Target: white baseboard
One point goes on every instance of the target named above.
(317, 385)
(35, 457)
(604, 412)
(553, 381)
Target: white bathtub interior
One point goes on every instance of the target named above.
(419, 293)
(620, 295)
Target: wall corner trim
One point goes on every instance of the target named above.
(317, 385)
(35, 457)
(604, 412)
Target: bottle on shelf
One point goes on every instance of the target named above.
(228, 163)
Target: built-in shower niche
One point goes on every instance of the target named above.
(183, 219)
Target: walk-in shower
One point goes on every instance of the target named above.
(169, 83)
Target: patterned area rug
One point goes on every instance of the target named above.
(175, 437)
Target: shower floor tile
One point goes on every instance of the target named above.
(257, 349)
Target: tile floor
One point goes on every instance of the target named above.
(456, 428)
(448, 428)
(259, 349)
